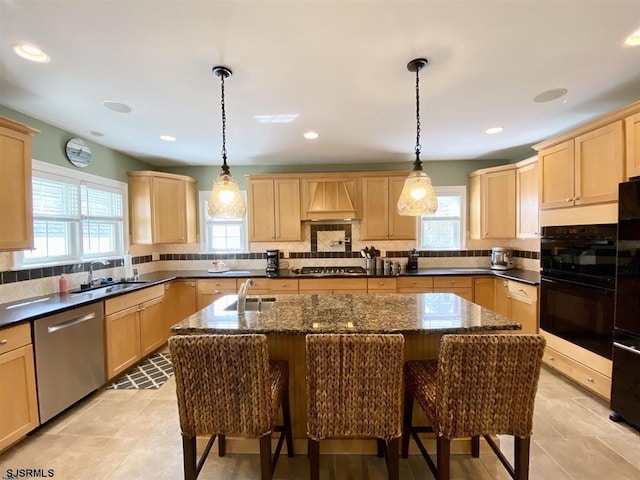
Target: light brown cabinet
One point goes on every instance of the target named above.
(414, 284)
(583, 170)
(332, 285)
(461, 286)
(274, 210)
(382, 285)
(527, 220)
(180, 301)
(18, 402)
(492, 203)
(16, 228)
(519, 302)
(380, 219)
(162, 208)
(632, 135)
(211, 289)
(134, 327)
(483, 291)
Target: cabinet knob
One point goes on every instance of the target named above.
(413, 282)
(552, 358)
(381, 283)
(4, 341)
(569, 199)
(216, 291)
(521, 290)
(284, 284)
(576, 198)
(590, 379)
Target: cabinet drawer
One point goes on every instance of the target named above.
(316, 284)
(134, 298)
(589, 378)
(456, 282)
(15, 337)
(381, 284)
(523, 290)
(415, 284)
(216, 285)
(283, 285)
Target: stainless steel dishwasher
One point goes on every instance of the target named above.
(69, 351)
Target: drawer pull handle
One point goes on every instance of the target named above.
(521, 290)
(590, 379)
(4, 341)
(381, 283)
(552, 358)
(284, 284)
(216, 291)
(413, 282)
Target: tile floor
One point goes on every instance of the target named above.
(134, 434)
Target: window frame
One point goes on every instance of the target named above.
(58, 173)
(460, 190)
(203, 199)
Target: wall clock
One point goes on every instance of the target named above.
(78, 152)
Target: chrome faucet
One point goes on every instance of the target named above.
(90, 277)
(242, 295)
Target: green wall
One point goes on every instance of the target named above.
(48, 146)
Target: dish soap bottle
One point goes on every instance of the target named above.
(62, 284)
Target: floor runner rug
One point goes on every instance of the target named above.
(151, 373)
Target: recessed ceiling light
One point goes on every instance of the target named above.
(282, 118)
(493, 130)
(311, 135)
(116, 106)
(168, 138)
(95, 133)
(30, 52)
(633, 40)
(550, 95)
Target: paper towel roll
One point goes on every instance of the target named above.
(128, 266)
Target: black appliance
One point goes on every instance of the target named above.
(625, 387)
(577, 284)
(339, 270)
(273, 263)
(412, 262)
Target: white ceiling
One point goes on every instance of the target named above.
(339, 65)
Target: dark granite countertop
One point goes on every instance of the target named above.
(37, 307)
(426, 313)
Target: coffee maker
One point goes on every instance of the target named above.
(273, 265)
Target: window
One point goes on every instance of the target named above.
(222, 236)
(444, 230)
(74, 218)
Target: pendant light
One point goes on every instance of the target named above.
(417, 197)
(225, 200)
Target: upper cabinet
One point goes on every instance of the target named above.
(380, 219)
(583, 170)
(527, 199)
(274, 209)
(492, 203)
(632, 134)
(162, 208)
(16, 228)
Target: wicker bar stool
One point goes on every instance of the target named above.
(354, 389)
(480, 385)
(226, 385)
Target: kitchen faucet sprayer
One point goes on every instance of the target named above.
(242, 295)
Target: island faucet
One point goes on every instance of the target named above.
(90, 276)
(242, 295)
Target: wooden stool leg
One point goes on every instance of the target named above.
(393, 459)
(475, 446)
(222, 446)
(444, 458)
(521, 457)
(286, 416)
(314, 460)
(265, 457)
(189, 458)
(380, 447)
(406, 420)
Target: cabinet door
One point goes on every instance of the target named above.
(208, 291)
(152, 326)
(524, 311)
(483, 292)
(599, 165)
(527, 201)
(170, 310)
(123, 340)
(168, 207)
(400, 227)
(556, 176)
(186, 299)
(499, 204)
(475, 207)
(16, 228)
(375, 208)
(191, 220)
(18, 402)
(502, 303)
(288, 225)
(632, 135)
(262, 219)
(141, 231)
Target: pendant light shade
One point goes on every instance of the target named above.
(418, 196)
(225, 201)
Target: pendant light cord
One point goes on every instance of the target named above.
(225, 167)
(417, 164)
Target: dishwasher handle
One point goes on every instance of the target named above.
(70, 323)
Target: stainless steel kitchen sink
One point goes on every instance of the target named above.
(254, 305)
(100, 290)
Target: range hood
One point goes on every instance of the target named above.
(330, 200)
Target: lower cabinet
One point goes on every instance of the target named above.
(134, 327)
(382, 285)
(461, 286)
(483, 292)
(208, 290)
(18, 402)
(417, 284)
(333, 285)
(517, 301)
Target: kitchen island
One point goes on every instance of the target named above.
(286, 319)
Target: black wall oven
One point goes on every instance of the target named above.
(577, 284)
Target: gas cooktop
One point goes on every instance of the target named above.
(332, 271)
